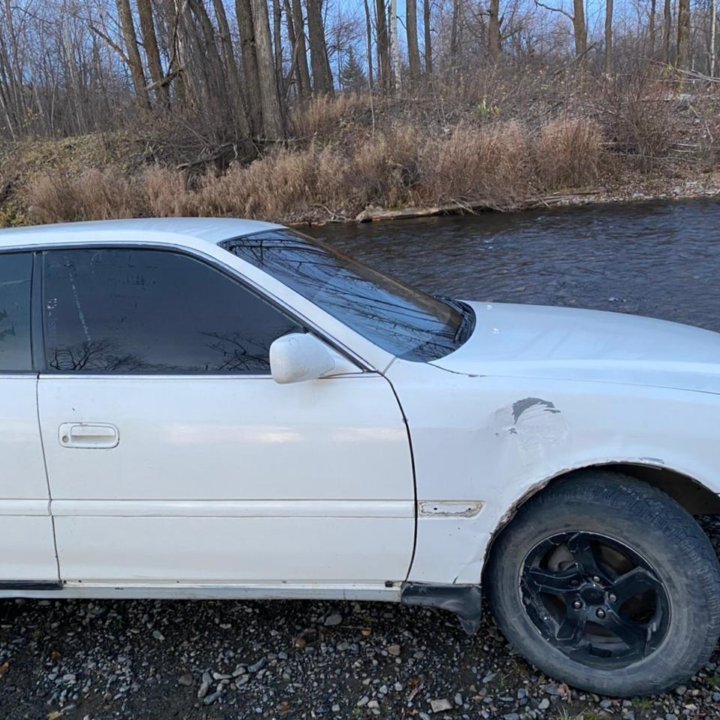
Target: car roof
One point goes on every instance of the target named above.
(155, 230)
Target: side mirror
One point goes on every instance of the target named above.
(298, 357)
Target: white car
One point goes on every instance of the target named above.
(199, 408)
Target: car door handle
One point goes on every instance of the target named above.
(87, 435)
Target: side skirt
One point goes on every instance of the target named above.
(180, 591)
(16, 587)
(464, 601)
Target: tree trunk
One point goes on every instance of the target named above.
(301, 89)
(232, 72)
(383, 47)
(455, 32)
(667, 30)
(303, 70)
(713, 36)
(394, 47)
(579, 27)
(269, 98)
(428, 38)
(177, 50)
(149, 37)
(368, 32)
(608, 37)
(494, 39)
(653, 31)
(683, 34)
(133, 52)
(412, 40)
(277, 44)
(208, 70)
(322, 77)
(243, 10)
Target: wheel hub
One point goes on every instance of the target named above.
(601, 604)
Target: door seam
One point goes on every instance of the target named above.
(47, 475)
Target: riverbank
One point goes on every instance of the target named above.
(357, 158)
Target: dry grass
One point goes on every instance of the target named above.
(568, 153)
(92, 195)
(499, 165)
(501, 138)
(324, 116)
(353, 151)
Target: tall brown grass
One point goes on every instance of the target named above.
(501, 165)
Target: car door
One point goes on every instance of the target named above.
(173, 456)
(26, 534)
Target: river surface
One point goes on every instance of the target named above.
(660, 259)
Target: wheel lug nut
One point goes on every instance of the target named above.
(577, 604)
(600, 613)
(612, 598)
(596, 578)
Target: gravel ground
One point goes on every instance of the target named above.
(193, 660)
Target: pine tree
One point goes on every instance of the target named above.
(352, 76)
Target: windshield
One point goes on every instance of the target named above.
(406, 322)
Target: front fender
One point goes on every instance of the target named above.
(492, 442)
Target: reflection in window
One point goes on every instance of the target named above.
(152, 311)
(398, 318)
(15, 281)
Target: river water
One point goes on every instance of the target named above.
(660, 259)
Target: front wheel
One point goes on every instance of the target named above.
(606, 583)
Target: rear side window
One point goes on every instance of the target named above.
(15, 284)
(152, 311)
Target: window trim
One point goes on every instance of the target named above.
(38, 334)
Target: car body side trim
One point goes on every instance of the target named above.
(235, 508)
(24, 507)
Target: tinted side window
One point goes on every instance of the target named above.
(152, 311)
(15, 276)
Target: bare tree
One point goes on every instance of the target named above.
(133, 59)
(579, 27)
(608, 37)
(152, 52)
(296, 36)
(428, 37)
(272, 120)
(683, 34)
(494, 33)
(577, 18)
(412, 40)
(232, 73)
(246, 27)
(456, 27)
(667, 30)
(652, 31)
(713, 36)
(368, 40)
(383, 46)
(278, 43)
(322, 77)
(393, 41)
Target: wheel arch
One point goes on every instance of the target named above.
(689, 493)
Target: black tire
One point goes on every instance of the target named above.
(587, 635)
